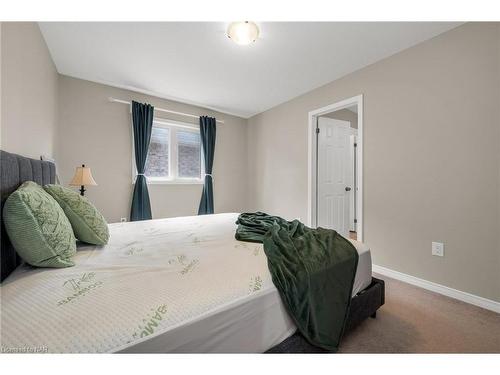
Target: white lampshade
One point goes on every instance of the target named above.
(243, 33)
(83, 177)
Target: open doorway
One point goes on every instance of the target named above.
(336, 168)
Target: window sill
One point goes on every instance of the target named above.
(186, 181)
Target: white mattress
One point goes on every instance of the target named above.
(170, 285)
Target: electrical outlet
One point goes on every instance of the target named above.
(438, 249)
(123, 219)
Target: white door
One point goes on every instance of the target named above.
(333, 175)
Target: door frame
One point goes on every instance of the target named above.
(353, 138)
(312, 160)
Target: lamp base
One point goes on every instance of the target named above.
(82, 190)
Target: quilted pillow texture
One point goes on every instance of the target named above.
(38, 228)
(87, 222)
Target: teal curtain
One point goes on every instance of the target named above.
(142, 123)
(207, 133)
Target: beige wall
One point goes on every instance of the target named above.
(1, 85)
(98, 133)
(345, 115)
(29, 91)
(431, 157)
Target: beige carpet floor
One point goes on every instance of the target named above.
(414, 320)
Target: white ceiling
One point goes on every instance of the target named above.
(196, 63)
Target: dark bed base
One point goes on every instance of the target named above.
(363, 305)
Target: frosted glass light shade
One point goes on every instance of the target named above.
(243, 33)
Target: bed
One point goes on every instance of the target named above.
(170, 285)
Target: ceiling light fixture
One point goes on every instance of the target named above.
(243, 33)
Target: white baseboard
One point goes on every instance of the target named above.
(441, 289)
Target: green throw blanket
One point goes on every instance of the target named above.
(313, 270)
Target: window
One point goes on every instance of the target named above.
(157, 162)
(174, 154)
(188, 154)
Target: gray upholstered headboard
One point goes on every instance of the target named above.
(14, 170)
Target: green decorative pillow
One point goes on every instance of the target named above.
(88, 223)
(38, 228)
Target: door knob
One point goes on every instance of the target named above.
(347, 188)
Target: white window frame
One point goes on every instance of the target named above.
(173, 155)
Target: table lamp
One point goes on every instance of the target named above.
(83, 177)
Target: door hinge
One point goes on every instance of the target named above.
(317, 130)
